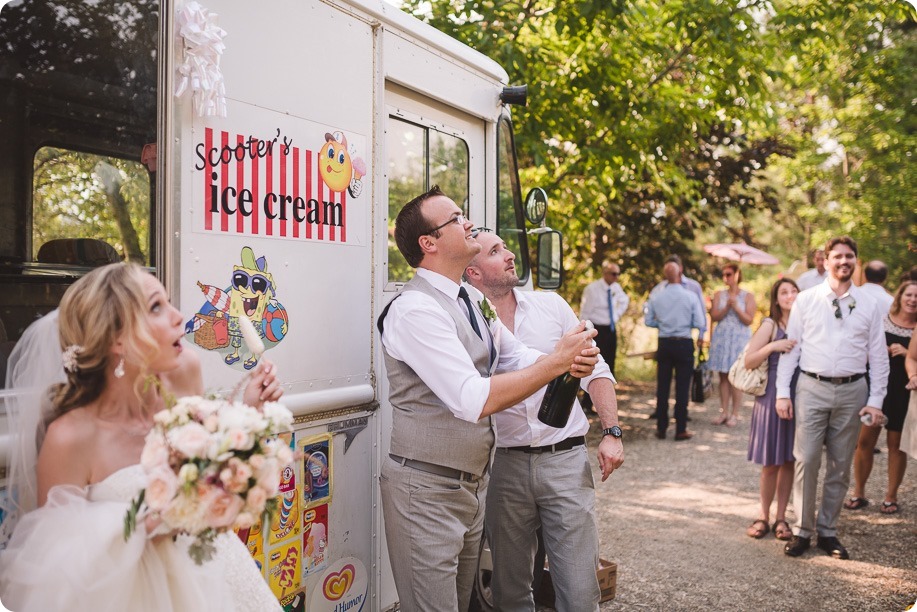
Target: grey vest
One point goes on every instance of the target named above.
(423, 428)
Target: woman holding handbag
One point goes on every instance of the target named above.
(770, 441)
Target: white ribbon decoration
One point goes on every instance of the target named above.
(201, 48)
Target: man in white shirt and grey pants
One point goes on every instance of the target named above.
(541, 475)
(441, 352)
(838, 330)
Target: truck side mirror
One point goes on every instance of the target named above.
(550, 260)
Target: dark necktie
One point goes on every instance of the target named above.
(474, 320)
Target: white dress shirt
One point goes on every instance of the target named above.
(594, 305)
(541, 319)
(836, 347)
(880, 295)
(421, 334)
(811, 278)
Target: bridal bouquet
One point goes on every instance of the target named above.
(211, 465)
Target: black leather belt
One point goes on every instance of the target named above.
(836, 380)
(551, 448)
(432, 468)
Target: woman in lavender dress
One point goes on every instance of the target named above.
(770, 442)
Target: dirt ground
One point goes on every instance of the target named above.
(674, 516)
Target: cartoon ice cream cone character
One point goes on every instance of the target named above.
(338, 168)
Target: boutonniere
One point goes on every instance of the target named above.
(488, 310)
(853, 304)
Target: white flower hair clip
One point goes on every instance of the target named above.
(69, 357)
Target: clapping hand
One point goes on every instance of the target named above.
(897, 350)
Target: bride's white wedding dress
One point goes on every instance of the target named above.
(70, 554)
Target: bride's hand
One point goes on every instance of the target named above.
(263, 386)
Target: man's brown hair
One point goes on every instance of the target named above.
(841, 240)
(410, 225)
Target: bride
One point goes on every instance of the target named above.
(76, 451)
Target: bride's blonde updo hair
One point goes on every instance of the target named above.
(104, 306)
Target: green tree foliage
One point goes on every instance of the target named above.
(655, 127)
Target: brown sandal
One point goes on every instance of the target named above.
(782, 530)
(758, 529)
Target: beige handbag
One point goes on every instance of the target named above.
(753, 382)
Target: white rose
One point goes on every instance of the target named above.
(185, 513)
(190, 439)
(255, 500)
(279, 416)
(155, 452)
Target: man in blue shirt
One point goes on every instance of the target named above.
(674, 311)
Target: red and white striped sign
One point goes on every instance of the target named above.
(268, 187)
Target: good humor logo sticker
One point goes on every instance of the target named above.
(343, 587)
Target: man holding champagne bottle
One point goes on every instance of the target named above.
(541, 474)
(441, 354)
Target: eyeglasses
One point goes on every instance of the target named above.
(837, 309)
(459, 218)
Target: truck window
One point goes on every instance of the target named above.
(78, 131)
(79, 195)
(510, 219)
(418, 158)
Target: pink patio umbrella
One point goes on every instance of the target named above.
(743, 253)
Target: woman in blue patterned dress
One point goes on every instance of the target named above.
(770, 438)
(733, 310)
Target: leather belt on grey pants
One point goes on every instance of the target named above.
(551, 448)
(432, 468)
(835, 380)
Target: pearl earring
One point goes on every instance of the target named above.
(119, 369)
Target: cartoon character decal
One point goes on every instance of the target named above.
(252, 292)
(339, 168)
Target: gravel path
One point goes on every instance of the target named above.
(674, 519)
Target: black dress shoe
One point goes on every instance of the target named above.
(796, 546)
(660, 435)
(833, 547)
(653, 416)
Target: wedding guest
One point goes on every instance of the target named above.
(876, 272)
(603, 303)
(838, 330)
(816, 275)
(899, 329)
(675, 312)
(770, 439)
(76, 458)
(733, 310)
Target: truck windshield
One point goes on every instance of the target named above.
(510, 220)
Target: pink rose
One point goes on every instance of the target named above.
(161, 487)
(190, 439)
(244, 520)
(239, 439)
(220, 508)
(257, 462)
(155, 452)
(255, 500)
(269, 476)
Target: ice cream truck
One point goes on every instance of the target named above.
(254, 156)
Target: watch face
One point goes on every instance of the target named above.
(614, 431)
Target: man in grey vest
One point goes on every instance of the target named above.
(441, 352)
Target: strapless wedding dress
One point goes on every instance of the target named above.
(70, 554)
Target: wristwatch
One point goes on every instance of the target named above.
(614, 432)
